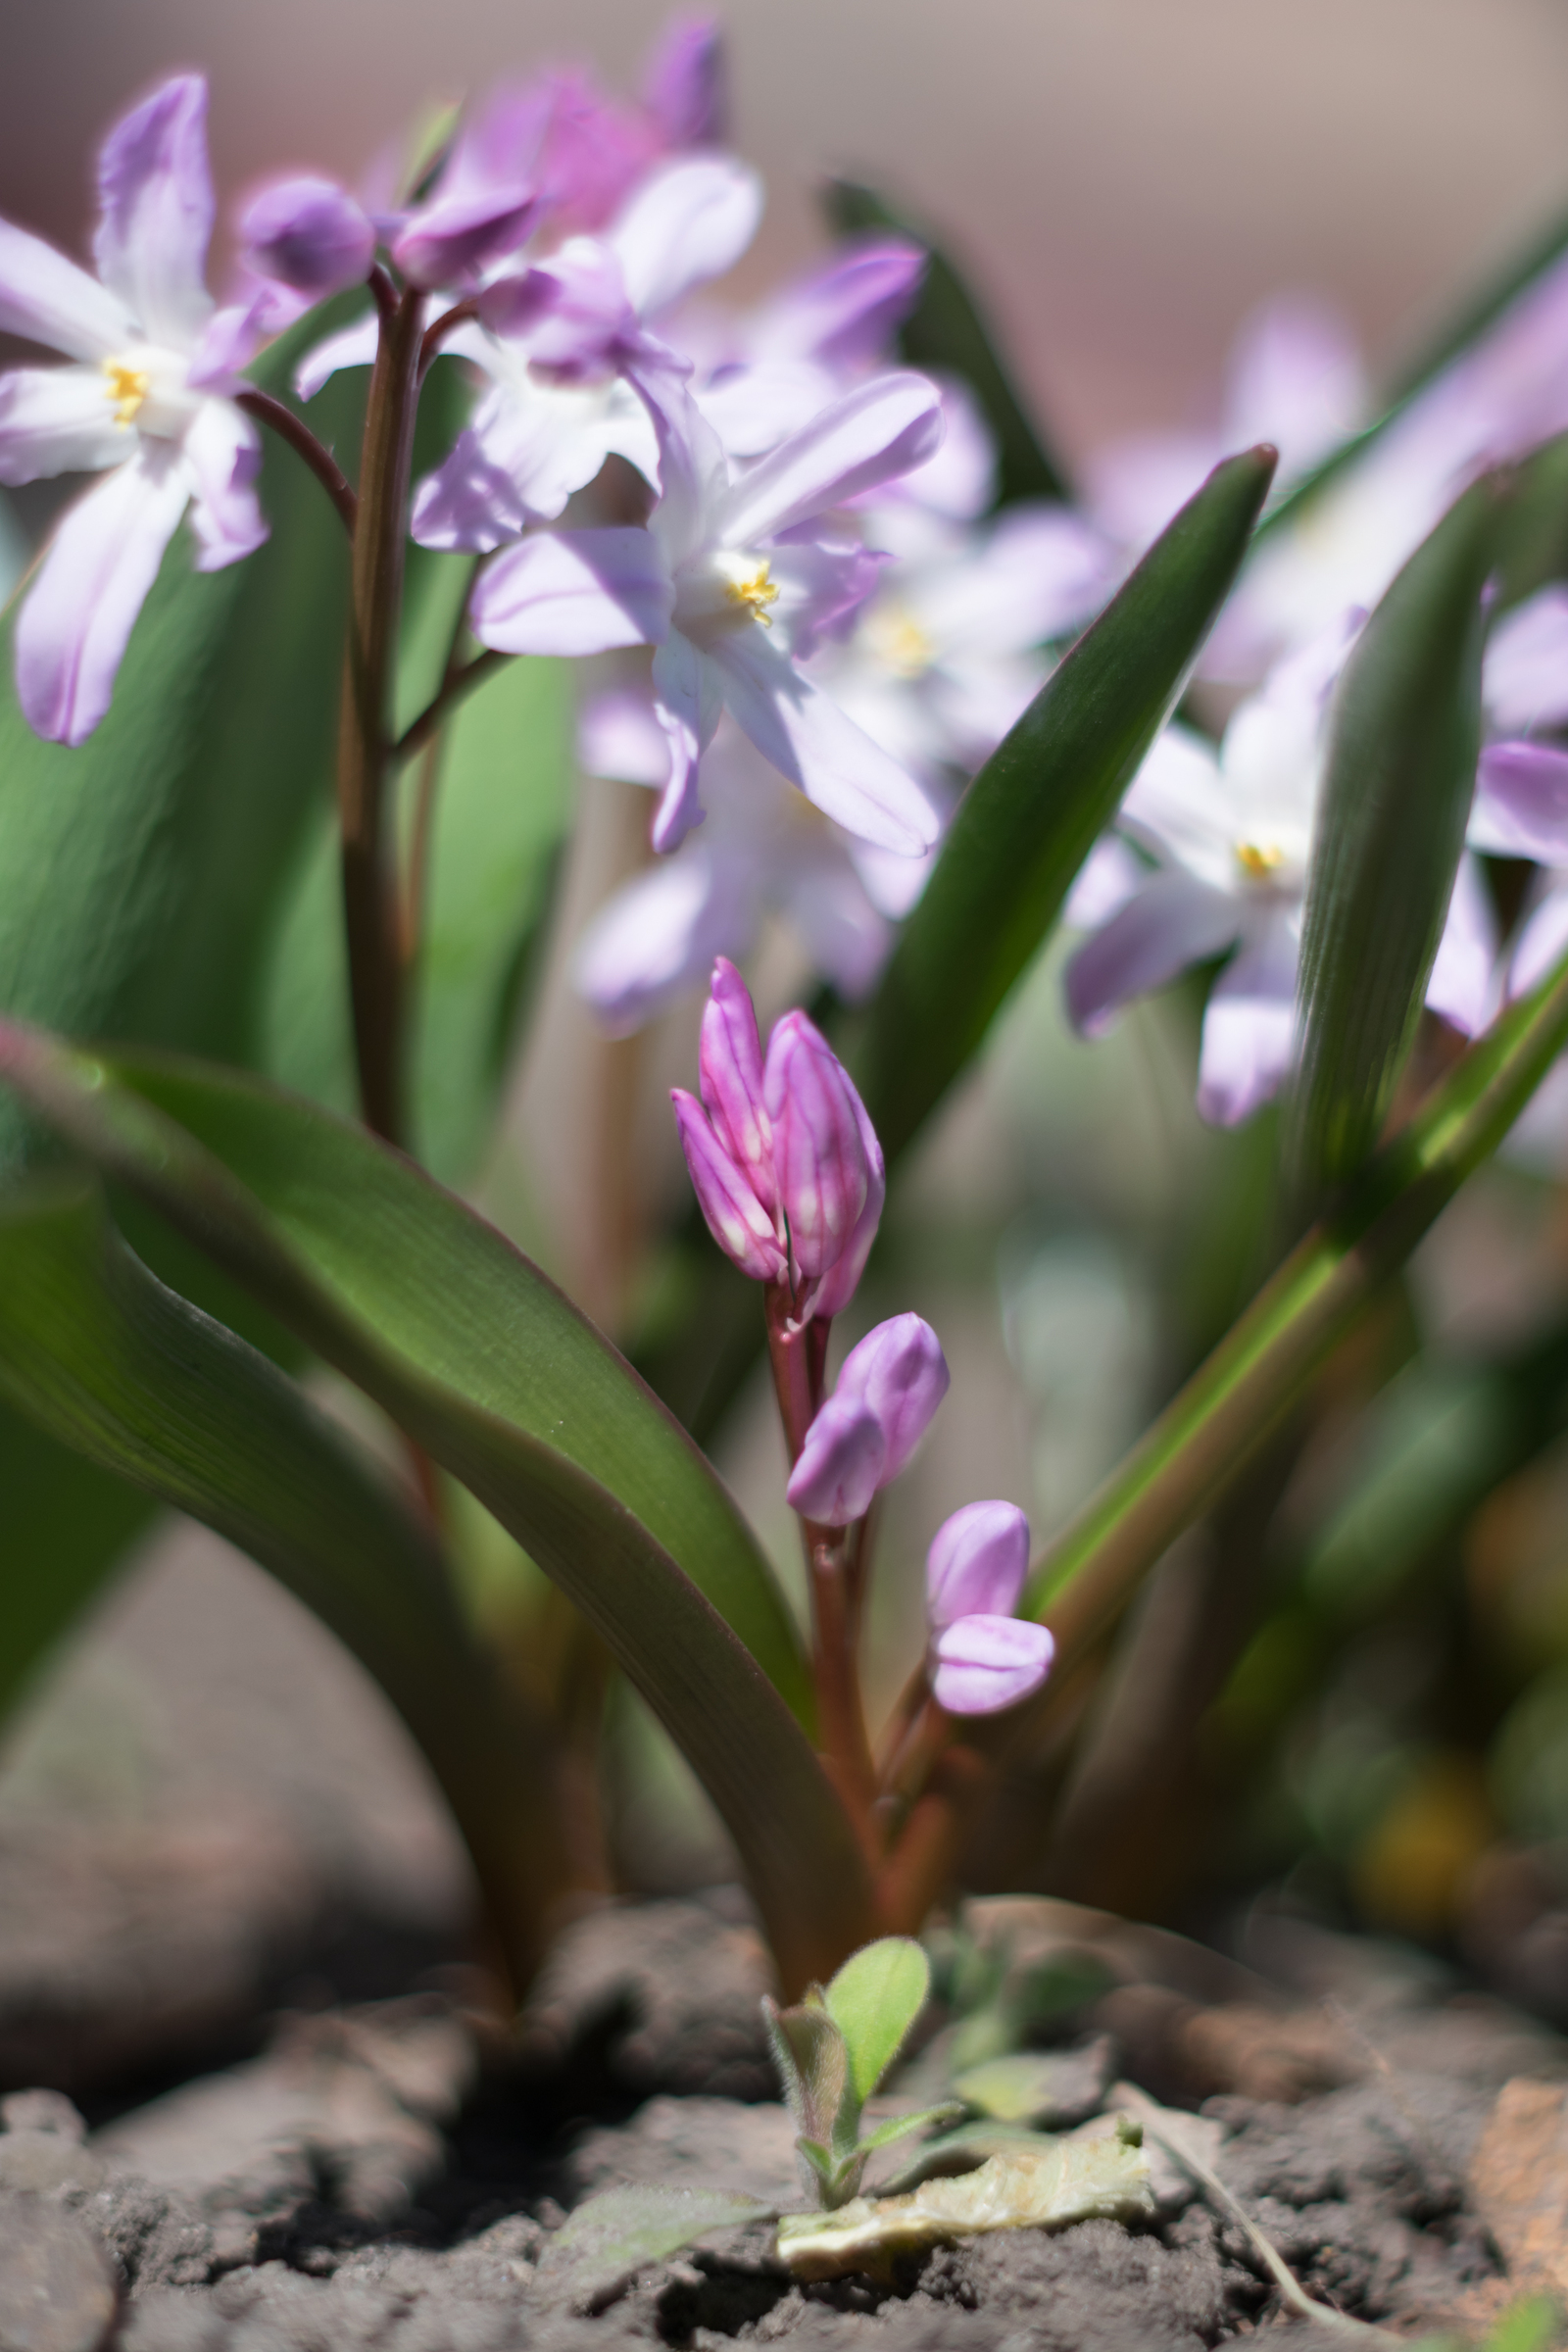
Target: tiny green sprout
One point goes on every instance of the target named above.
(833, 2048)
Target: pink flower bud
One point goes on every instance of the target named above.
(842, 1465)
(308, 233)
(841, 1282)
(736, 1218)
(683, 88)
(986, 1663)
(899, 1373)
(819, 1153)
(977, 1563)
(730, 1059)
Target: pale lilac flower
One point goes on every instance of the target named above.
(684, 83)
(762, 847)
(983, 1664)
(724, 560)
(977, 1563)
(881, 1408)
(144, 403)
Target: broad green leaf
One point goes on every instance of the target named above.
(1042, 799)
(1400, 774)
(497, 1375)
(874, 2000)
(503, 798)
(947, 331)
(65, 1525)
(100, 1355)
(1023, 2086)
(611, 2236)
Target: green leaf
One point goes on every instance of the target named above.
(497, 1375)
(1395, 798)
(502, 801)
(96, 1353)
(945, 332)
(813, 2066)
(874, 2000)
(1036, 807)
(611, 2236)
(899, 2127)
(1024, 2086)
(65, 1525)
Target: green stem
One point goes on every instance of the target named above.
(1241, 1394)
(369, 894)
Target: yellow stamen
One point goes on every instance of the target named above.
(754, 594)
(1260, 859)
(127, 389)
(898, 640)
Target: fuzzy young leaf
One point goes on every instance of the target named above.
(502, 1381)
(813, 2065)
(610, 2237)
(1395, 799)
(945, 331)
(1042, 801)
(874, 2000)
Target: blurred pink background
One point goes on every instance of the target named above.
(1125, 177)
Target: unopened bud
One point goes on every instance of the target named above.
(819, 1153)
(308, 233)
(984, 1663)
(736, 1218)
(842, 1465)
(730, 1059)
(977, 1563)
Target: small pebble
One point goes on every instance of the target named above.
(58, 2288)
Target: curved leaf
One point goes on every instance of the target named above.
(100, 1355)
(945, 332)
(1395, 799)
(1042, 799)
(495, 1373)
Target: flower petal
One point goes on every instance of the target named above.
(224, 452)
(51, 301)
(351, 347)
(1170, 921)
(977, 1563)
(846, 939)
(810, 740)
(986, 1663)
(683, 86)
(840, 1283)
(574, 591)
(1541, 941)
(1111, 875)
(78, 615)
(1525, 677)
(155, 193)
(1250, 1027)
(730, 1058)
(842, 1465)
(736, 1218)
(687, 223)
(619, 736)
(1463, 987)
(874, 433)
(656, 938)
(1521, 803)
(59, 420)
(843, 314)
(688, 704)
(898, 1373)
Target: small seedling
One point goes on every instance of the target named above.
(833, 2048)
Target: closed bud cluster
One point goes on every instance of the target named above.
(785, 1162)
(983, 1657)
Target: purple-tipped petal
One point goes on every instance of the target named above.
(845, 314)
(1521, 803)
(574, 591)
(736, 1218)
(155, 193)
(842, 1465)
(51, 301)
(57, 420)
(308, 233)
(685, 82)
(977, 1563)
(873, 435)
(818, 1153)
(456, 236)
(901, 1375)
(983, 1664)
(1170, 921)
(840, 1283)
(78, 615)
(730, 1058)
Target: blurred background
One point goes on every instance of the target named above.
(1379, 1734)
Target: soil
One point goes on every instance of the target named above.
(259, 2155)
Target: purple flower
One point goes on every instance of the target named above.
(306, 234)
(730, 1061)
(983, 1664)
(144, 403)
(983, 1657)
(886, 1396)
(683, 86)
(725, 561)
(820, 1160)
(977, 1563)
(736, 1218)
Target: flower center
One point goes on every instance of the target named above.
(127, 388)
(1259, 859)
(897, 638)
(753, 591)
